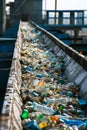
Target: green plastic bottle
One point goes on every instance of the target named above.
(25, 114)
(40, 117)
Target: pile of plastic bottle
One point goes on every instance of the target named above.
(49, 101)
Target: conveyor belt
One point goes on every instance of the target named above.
(39, 62)
(75, 70)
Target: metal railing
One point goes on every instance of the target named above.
(67, 17)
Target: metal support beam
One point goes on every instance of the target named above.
(55, 11)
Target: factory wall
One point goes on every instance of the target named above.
(2, 17)
(28, 10)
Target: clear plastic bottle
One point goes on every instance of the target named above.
(63, 100)
(44, 109)
(75, 127)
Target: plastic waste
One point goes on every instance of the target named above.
(43, 125)
(52, 103)
(83, 127)
(28, 69)
(40, 117)
(61, 107)
(35, 94)
(60, 100)
(72, 122)
(25, 114)
(81, 101)
(75, 127)
(35, 82)
(54, 118)
(24, 28)
(70, 94)
(32, 125)
(60, 66)
(63, 117)
(44, 109)
(39, 75)
(80, 113)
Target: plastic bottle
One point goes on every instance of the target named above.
(28, 69)
(63, 117)
(72, 122)
(44, 109)
(25, 114)
(49, 101)
(61, 81)
(35, 82)
(32, 125)
(43, 125)
(35, 94)
(39, 75)
(60, 100)
(61, 107)
(80, 113)
(40, 117)
(54, 118)
(70, 94)
(81, 101)
(75, 127)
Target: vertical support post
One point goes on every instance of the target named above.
(76, 33)
(60, 17)
(83, 18)
(47, 18)
(55, 11)
(72, 18)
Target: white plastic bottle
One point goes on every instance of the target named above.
(43, 109)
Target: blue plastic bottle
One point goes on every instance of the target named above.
(72, 122)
